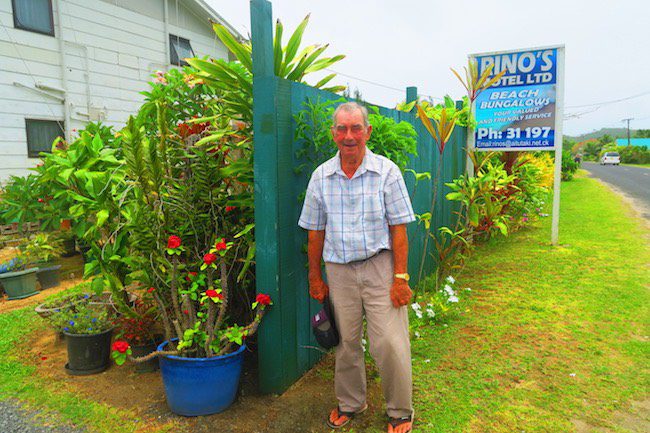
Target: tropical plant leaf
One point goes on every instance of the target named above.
(241, 51)
(293, 45)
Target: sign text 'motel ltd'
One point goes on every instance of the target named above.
(520, 112)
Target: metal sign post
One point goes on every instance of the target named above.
(524, 110)
(559, 118)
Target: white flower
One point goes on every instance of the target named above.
(417, 334)
(572, 375)
(431, 313)
(449, 290)
(418, 313)
(364, 343)
(452, 299)
(416, 306)
(468, 289)
(451, 279)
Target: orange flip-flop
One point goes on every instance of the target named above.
(400, 425)
(339, 418)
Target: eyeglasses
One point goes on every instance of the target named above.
(355, 129)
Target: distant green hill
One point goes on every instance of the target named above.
(614, 132)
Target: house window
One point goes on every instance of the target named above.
(34, 15)
(41, 134)
(179, 49)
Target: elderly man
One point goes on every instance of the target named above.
(356, 210)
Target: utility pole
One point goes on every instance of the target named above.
(628, 129)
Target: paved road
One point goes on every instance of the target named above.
(633, 181)
(15, 419)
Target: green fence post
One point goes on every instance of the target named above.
(411, 94)
(271, 371)
(415, 241)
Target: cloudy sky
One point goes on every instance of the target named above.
(391, 44)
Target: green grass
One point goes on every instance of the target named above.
(553, 334)
(19, 381)
(638, 165)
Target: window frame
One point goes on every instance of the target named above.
(172, 50)
(18, 25)
(30, 152)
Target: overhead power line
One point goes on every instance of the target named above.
(374, 83)
(610, 102)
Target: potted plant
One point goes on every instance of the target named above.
(68, 243)
(139, 331)
(88, 330)
(42, 249)
(17, 281)
(58, 303)
(202, 356)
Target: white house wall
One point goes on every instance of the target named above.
(120, 48)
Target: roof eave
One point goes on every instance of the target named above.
(218, 18)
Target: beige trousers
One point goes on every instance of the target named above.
(363, 288)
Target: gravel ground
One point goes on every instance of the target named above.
(15, 419)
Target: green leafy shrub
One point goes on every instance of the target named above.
(43, 248)
(394, 140)
(494, 203)
(21, 200)
(569, 166)
(634, 154)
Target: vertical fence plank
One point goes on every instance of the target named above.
(272, 370)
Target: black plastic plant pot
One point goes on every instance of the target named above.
(88, 353)
(143, 350)
(69, 247)
(48, 276)
(19, 284)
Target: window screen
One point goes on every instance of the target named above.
(179, 49)
(33, 15)
(41, 134)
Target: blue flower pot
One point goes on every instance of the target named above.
(201, 386)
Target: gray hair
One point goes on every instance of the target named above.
(351, 107)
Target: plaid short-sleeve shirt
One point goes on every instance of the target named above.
(355, 213)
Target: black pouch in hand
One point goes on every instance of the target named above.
(324, 326)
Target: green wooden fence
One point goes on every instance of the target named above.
(286, 345)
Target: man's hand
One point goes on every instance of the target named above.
(318, 289)
(400, 293)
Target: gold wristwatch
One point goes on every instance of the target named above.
(403, 276)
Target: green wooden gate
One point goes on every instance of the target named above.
(286, 345)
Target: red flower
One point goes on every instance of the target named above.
(121, 346)
(184, 130)
(221, 245)
(187, 129)
(40, 200)
(186, 312)
(213, 294)
(151, 289)
(173, 242)
(230, 208)
(190, 275)
(209, 258)
(263, 299)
